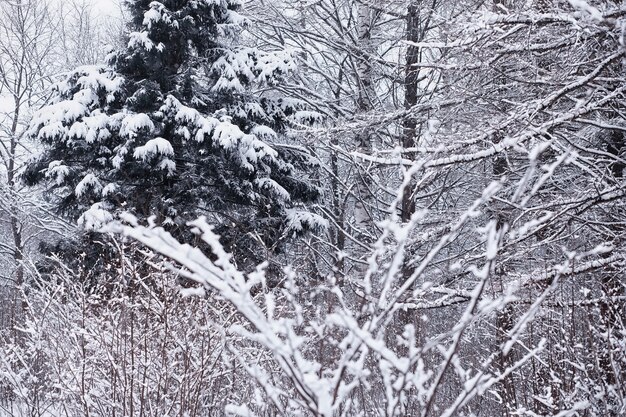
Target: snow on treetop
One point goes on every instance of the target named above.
(91, 128)
(167, 165)
(78, 130)
(109, 119)
(251, 109)
(152, 15)
(52, 131)
(120, 154)
(94, 77)
(263, 132)
(97, 216)
(251, 66)
(273, 64)
(205, 127)
(141, 40)
(72, 104)
(298, 221)
(64, 112)
(248, 147)
(158, 12)
(57, 170)
(156, 146)
(183, 113)
(90, 181)
(97, 77)
(191, 117)
(133, 123)
(273, 187)
(110, 188)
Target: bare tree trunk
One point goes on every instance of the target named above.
(16, 225)
(19, 303)
(366, 96)
(409, 132)
(411, 77)
(338, 211)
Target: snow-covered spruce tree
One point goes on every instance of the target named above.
(173, 128)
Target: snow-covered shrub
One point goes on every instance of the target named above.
(135, 347)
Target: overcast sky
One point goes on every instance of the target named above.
(106, 7)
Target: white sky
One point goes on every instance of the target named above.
(106, 7)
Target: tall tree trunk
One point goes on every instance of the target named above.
(365, 103)
(338, 209)
(414, 34)
(19, 304)
(411, 74)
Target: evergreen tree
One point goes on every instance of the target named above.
(172, 129)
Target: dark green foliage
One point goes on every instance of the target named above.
(173, 129)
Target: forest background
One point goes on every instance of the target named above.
(312, 208)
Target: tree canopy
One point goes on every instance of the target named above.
(172, 128)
